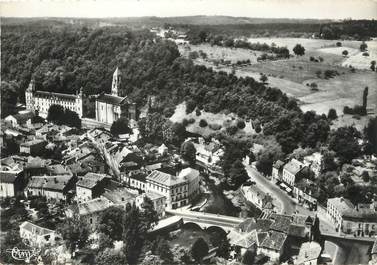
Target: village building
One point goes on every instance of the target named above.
(23, 118)
(11, 183)
(120, 196)
(91, 186)
(273, 245)
(136, 181)
(314, 162)
(34, 147)
(277, 170)
(309, 254)
(157, 199)
(291, 171)
(360, 220)
(110, 107)
(52, 187)
(39, 236)
(90, 211)
(258, 197)
(41, 101)
(168, 184)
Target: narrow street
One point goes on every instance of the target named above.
(283, 202)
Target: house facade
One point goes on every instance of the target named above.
(41, 101)
(39, 236)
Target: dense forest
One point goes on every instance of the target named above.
(66, 59)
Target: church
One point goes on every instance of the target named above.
(110, 107)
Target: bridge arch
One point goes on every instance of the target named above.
(216, 229)
(193, 225)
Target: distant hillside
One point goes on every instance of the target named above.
(160, 21)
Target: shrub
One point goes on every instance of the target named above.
(332, 114)
(339, 44)
(185, 122)
(231, 130)
(314, 86)
(169, 111)
(214, 126)
(191, 120)
(241, 124)
(198, 112)
(312, 59)
(365, 54)
(330, 73)
(318, 73)
(203, 123)
(190, 106)
(320, 59)
(345, 53)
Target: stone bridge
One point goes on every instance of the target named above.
(207, 220)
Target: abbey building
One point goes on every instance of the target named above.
(42, 100)
(108, 107)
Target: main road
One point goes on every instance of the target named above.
(282, 199)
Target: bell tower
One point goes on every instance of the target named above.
(116, 82)
(29, 95)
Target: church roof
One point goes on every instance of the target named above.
(54, 94)
(111, 99)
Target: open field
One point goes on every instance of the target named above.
(217, 52)
(340, 91)
(293, 75)
(355, 57)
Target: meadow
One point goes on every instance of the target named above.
(295, 75)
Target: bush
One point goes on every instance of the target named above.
(332, 114)
(365, 54)
(198, 112)
(215, 126)
(203, 123)
(314, 86)
(231, 130)
(318, 73)
(191, 120)
(330, 73)
(190, 106)
(339, 44)
(241, 124)
(185, 122)
(357, 110)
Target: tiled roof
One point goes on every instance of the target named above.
(164, 178)
(57, 183)
(244, 240)
(53, 94)
(90, 180)
(23, 117)
(274, 240)
(8, 177)
(365, 215)
(33, 142)
(247, 225)
(119, 196)
(340, 204)
(308, 251)
(297, 231)
(110, 99)
(281, 223)
(294, 166)
(153, 195)
(35, 229)
(188, 174)
(93, 206)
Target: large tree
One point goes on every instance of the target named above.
(371, 136)
(8, 98)
(344, 142)
(299, 50)
(120, 126)
(188, 152)
(199, 250)
(111, 222)
(75, 233)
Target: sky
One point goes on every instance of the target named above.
(318, 9)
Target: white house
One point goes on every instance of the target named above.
(39, 236)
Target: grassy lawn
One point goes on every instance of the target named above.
(187, 236)
(225, 120)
